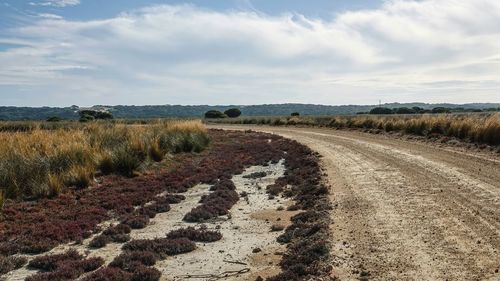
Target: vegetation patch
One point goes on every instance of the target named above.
(255, 175)
(217, 203)
(163, 247)
(142, 257)
(197, 235)
(39, 163)
(476, 128)
(109, 274)
(38, 226)
(8, 264)
(67, 266)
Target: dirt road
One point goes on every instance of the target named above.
(407, 210)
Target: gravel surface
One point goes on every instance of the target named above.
(407, 210)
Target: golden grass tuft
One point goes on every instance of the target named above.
(41, 162)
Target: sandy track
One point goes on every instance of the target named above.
(407, 210)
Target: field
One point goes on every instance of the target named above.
(156, 201)
(308, 199)
(475, 128)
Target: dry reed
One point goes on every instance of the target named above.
(37, 162)
(477, 128)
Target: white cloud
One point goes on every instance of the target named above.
(50, 16)
(433, 50)
(56, 3)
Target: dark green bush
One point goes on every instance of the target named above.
(214, 114)
(86, 118)
(381, 110)
(233, 112)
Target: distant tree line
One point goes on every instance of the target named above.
(165, 111)
(419, 110)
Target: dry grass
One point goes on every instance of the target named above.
(478, 128)
(40, 162)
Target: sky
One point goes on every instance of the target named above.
(88, 52)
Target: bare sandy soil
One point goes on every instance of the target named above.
(407, 210)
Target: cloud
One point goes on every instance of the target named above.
(433, 50)
(50, 16)
(56, 3)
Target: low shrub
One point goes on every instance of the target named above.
(197, 235)
(143, 257)
(158, 207)
(51, 262)
(66, 266)
(136, 221)
(99, 241)
(277, 227)
(161, 246)
(120, 238)
(91, 264)
(143, 273)
(255, 175)
(170, 199)
(136, 263)
(274, 189)
(146, 212)
(33, 246)
(284, 276)
(8, 264)
(217, 203)
(117, 229)
(109, 274)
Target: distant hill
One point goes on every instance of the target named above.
(164, 111)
